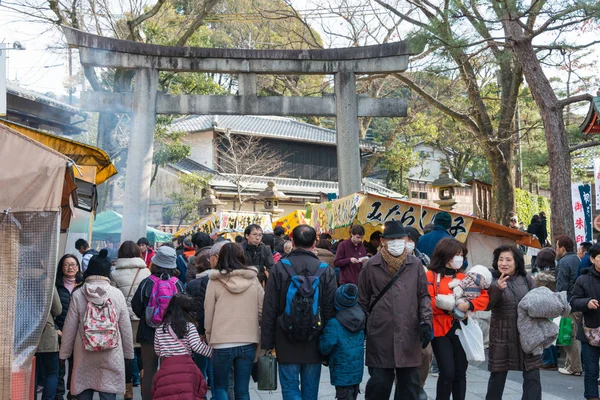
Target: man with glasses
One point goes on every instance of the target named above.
(256, 252)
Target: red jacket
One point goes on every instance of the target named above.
(442, 321)
(147, 256)
(178, 379)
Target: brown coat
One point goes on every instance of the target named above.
(505, 347)
(326, 256)
(393, 327)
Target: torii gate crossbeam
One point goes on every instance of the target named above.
(147, 60)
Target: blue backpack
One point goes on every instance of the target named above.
(301, 318)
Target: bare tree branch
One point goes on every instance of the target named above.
(586, 145)
(575, 99)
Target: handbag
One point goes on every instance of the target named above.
(267, 372)
(591, 334)
(565, 331)
(470, 336)
(380, 294)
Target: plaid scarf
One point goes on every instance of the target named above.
(394, 263)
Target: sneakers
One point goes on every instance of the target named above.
(549, 367)
(565, 371)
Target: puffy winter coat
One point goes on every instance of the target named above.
(178, 379)
(197, 290)
(536, 311)
(505, 352)
(123, 278)
(65, 300)
(343, 340)
(586, 287)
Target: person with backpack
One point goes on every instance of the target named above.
(174, 341)
(97, 332)
(86, 253)
(149, 303)
(232, 312)
(130, 270)
(343, 342)
(299, 301)
(392, 290)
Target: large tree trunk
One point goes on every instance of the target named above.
(503, 184)
(559, 159)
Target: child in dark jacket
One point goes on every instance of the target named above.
(343, 341)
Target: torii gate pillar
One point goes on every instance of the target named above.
(139, 157)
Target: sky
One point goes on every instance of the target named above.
(43, 66)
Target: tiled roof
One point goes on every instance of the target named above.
(19, 91)
(268, 127)
(290, 186)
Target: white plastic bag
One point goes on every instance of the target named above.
(471, 339)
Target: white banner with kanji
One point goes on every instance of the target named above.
(578, 213)
(597, 182)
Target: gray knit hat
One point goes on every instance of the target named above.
(165, 257)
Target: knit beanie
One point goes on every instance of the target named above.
(443, 219)
(99, 265)
(346, 296)
(546, 258)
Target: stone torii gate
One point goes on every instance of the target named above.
(145, 101)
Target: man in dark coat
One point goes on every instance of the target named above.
(400, 323)
(441, 223)
(256, 252)
(296, 358)
(278, 233)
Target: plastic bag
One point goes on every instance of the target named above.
(471, 339)
(565, 331)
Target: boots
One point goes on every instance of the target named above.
(129, 391)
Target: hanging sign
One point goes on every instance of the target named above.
(582, 213)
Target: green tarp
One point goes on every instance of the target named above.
(108, 226)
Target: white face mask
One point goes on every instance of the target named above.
(410, 247)
(396, 247)
(457, 262)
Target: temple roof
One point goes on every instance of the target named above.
(591, 124)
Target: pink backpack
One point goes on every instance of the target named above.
(161, 294)
(100, 327)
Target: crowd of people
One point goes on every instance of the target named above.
(204, 311)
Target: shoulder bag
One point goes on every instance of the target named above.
(382, 293)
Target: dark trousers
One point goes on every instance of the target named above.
(62, 371)
(590, 355)
(379, 385)
(452, 363)
(347, 392)
(47, 367)
(150, 367)
(532, 387)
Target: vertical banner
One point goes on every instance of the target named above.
(3, 75)
(585, 192)
(597, 182)
(578, 213)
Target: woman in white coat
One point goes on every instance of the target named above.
(130, 270)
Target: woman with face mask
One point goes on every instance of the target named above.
(446, 262)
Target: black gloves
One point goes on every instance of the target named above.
(426, 334)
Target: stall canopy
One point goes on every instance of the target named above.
(107, 226)
(81, 154)
(292, 220)
(228, 222)
(371, 211)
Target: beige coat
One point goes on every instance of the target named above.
(102, 371)
(233, 307)
(49, 340)
(122, 277)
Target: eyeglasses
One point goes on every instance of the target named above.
(70, 265)
(256, 234)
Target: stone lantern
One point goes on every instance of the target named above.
(445, 185)
(271, 197)
(209, 204)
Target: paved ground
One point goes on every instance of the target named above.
(555, 386)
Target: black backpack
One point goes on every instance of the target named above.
(301, 318)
